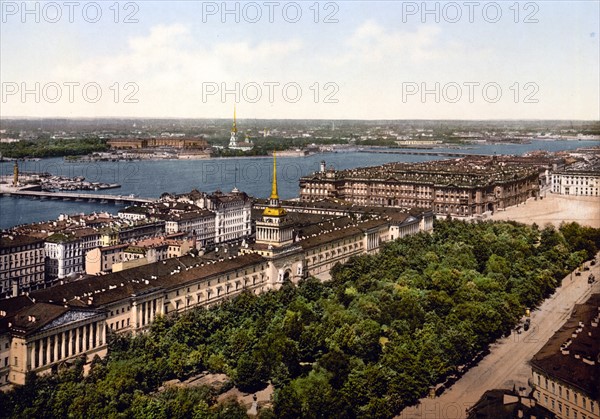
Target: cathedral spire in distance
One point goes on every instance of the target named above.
(233, 140)
(234, 126)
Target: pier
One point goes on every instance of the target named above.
(78, 197)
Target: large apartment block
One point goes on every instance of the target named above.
(22, 265)
(463, 188)
(232, 214)
(579, 179)
(199, 225)
(566, 371)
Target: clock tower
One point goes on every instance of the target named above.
(274, 228)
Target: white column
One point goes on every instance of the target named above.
(39, 352)
(47, 339)
(90, 337)
(63, 338)
(135, 316)
(77, 332)
(31, 360)
(55, 348)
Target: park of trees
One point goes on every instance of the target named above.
(363, 345)
(52, 148)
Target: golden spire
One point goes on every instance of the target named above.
(234, 127)
(274, 209)
(274, 194)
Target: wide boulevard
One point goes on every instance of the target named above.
(507, 364)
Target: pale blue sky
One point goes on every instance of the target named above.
(371, 56)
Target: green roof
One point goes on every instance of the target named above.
(60, 238)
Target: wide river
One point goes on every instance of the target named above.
(251, 175)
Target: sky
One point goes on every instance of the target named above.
(301, 60)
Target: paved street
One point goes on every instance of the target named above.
(507, 364)
(554, 209)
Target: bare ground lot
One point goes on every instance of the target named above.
(555, 209)
(507, 363)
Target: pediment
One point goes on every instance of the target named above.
(71, 316)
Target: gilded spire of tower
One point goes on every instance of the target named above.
(274, 209)
(274, 194)
(234, 126)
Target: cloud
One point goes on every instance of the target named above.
(371, 43)
(160, 37)
(169, 53)
(246, 53)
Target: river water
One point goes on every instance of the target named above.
(251, 175)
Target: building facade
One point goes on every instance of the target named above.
(579, 179)
(463, 188)
(42, 337)
(134, 213)
(198, 224)
(233, 215)
(64, 256)
(101, 259)
(566, 371)
(140, 143)
(22, 265)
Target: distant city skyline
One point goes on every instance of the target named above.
(379, 61)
